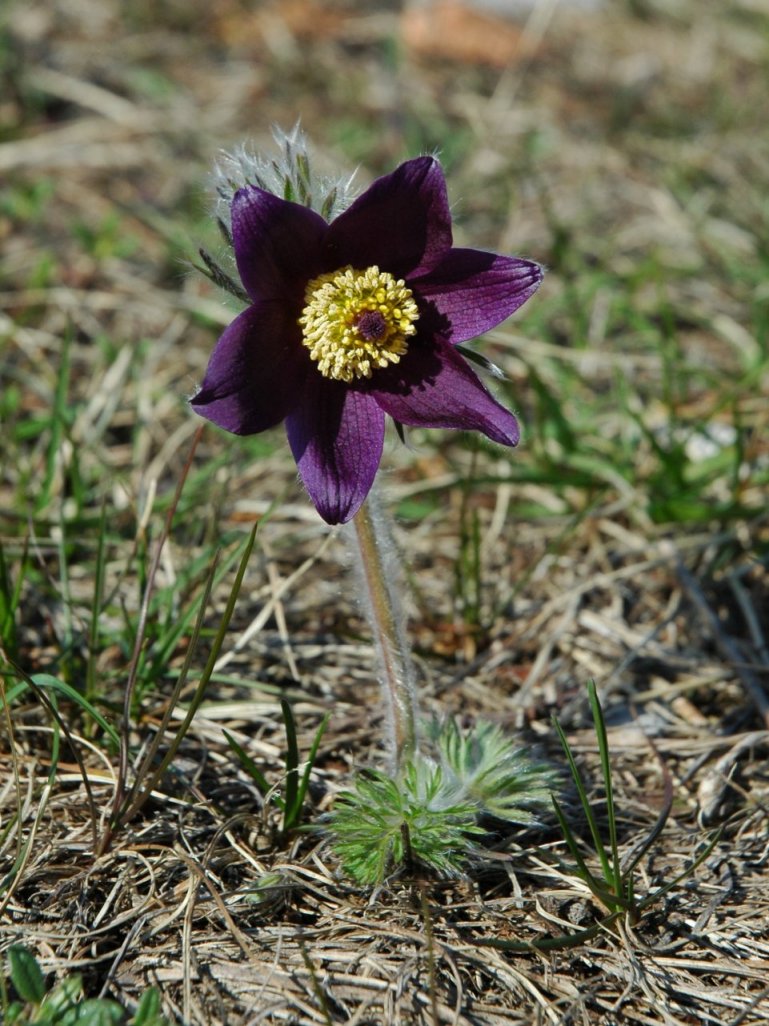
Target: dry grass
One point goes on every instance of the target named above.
(628, 150)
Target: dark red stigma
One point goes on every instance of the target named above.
(371, 325)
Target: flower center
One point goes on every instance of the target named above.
(356, 321)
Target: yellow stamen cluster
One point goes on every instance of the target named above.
(357, 321)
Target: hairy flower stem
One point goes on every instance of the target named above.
(379, 575)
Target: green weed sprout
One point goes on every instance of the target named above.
(291, 802)
(64, 1004)
(429, 815)
(613, 884)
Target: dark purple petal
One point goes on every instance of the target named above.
(277, 244)
(474, 291)
(434, 387)
(256, 372)
(401, 223)
(336, 436)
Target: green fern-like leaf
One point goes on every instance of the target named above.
(383, 824)
(491, 771)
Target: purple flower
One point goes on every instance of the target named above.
(354, 319)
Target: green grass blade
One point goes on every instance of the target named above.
(130, 805)
(48, 682)
(599, 725)
(606, 895)
(292, 766)
(23, 843)
(96, 605)
(655, 896)
(119, 801)
(305, 782)
(163, 647)
(201, 604)
(585, 803)
(10, 596)
(55, 685)
(582, 868)
(253, 770)
(200, 689)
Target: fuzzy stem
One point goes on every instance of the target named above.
(379, 575)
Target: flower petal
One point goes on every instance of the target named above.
(256, 372)
(336, 436)
(434, 387)
(401, 223)
(277, 244)
(475, 291)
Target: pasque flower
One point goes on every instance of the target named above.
(356, 318)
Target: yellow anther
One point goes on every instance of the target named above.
(357, 321)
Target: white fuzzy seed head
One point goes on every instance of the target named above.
(289, 175)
